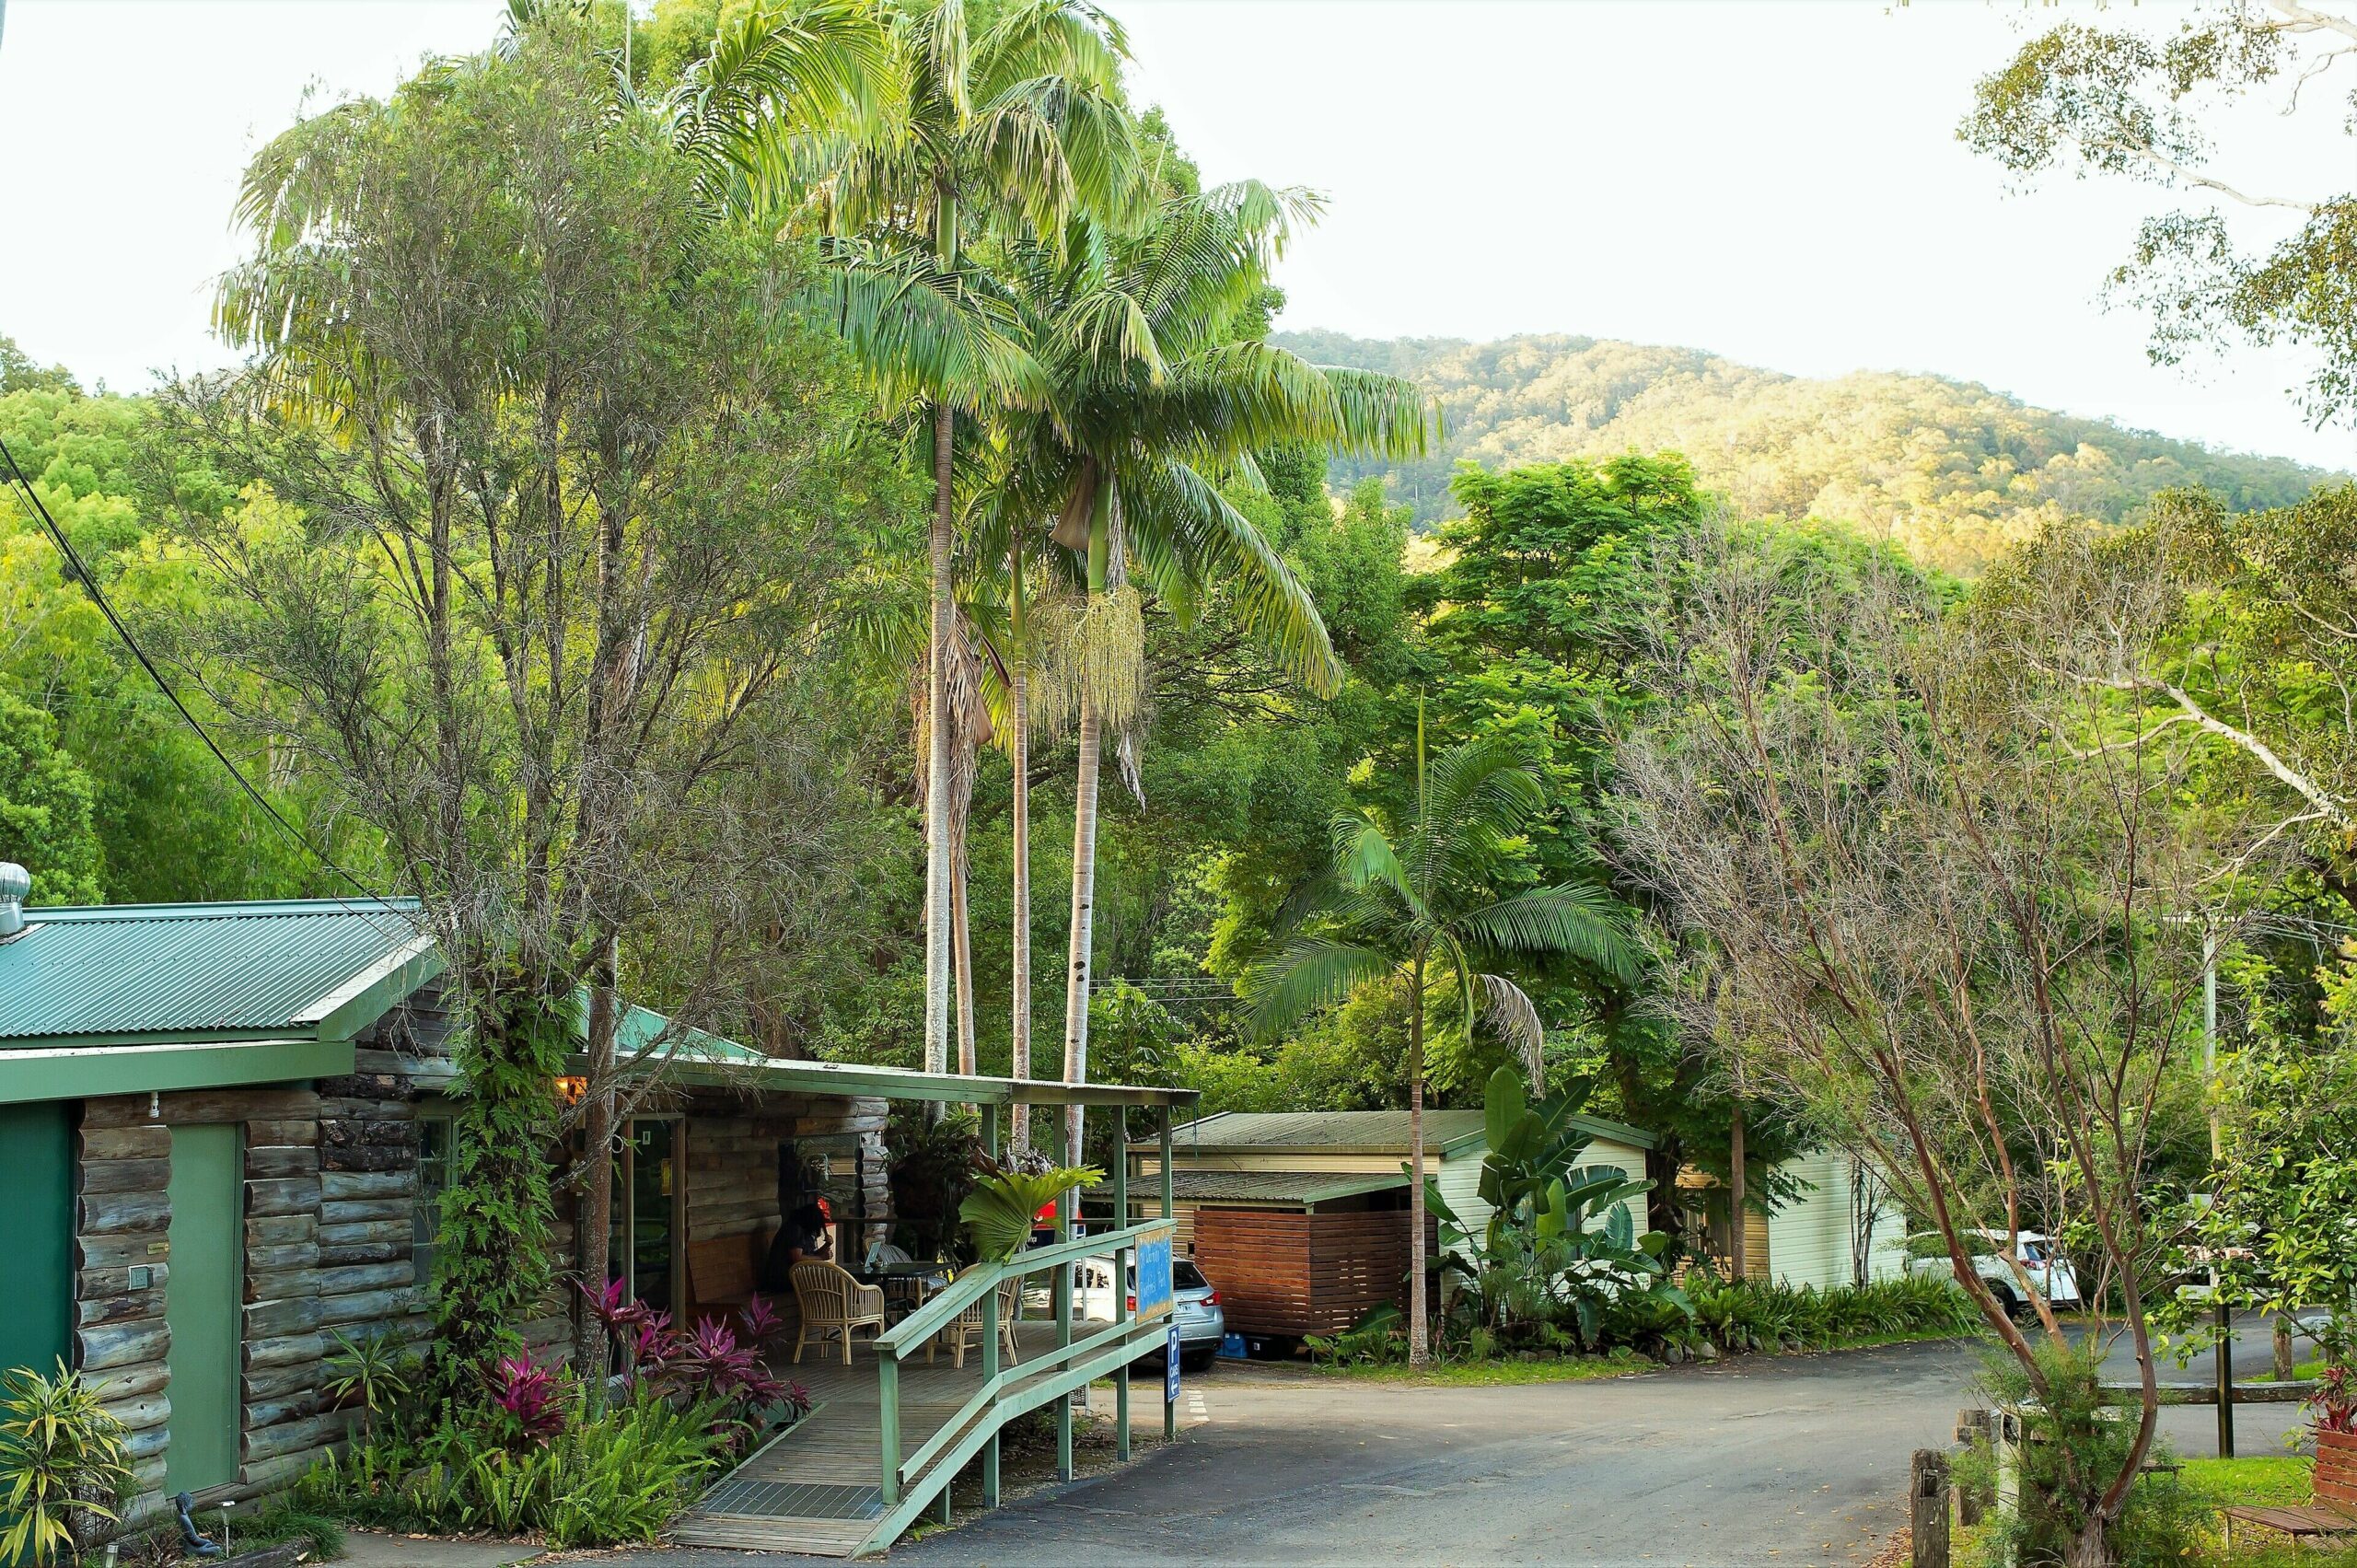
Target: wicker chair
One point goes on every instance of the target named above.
(967, 1326)
(833, 1302)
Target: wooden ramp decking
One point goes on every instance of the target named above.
(815, 1487)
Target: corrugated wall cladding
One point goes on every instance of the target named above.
(179, 969)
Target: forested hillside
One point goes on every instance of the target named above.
(1951, 470)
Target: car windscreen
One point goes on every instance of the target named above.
(1184, 1275)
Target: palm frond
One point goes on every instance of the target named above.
(1184, 527)
(1512, 1012)
(1584, 922)
(1309, 972)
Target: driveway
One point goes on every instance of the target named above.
(1797, 1459)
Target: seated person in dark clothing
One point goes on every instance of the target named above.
(803, 1236)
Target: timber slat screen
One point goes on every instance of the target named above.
(1292, 1273)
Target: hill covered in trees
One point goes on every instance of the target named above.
(1952, 470)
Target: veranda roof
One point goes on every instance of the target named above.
(697, 1059)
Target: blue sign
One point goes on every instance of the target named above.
(1153, 1273)
(1170, 1370)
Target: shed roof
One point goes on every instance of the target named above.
(129, 974)
(1356, 1132)
(1287, 1187)
(694, 1057)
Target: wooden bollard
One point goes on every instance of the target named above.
(1928, 1506)
(1976, 1429)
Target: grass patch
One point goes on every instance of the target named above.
(2222, 1483)
(1496, 1374)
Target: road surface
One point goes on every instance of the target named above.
(1762, 1460)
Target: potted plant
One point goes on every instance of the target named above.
(2332, 1411)
(64, 1467)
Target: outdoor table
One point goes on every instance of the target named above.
(908, 1284)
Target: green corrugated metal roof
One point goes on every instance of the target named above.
(128, 973)
(1304, 1186)
(1357, 1131)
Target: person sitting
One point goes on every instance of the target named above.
(803, 1236)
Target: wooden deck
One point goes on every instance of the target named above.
(814, 1489)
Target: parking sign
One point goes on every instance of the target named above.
(1170, 1370)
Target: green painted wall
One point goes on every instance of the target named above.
(36, 1232)
(201, 1306)
(36, 1240)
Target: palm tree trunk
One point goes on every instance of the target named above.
(1019, 748)
(1419, 1340)
(1084, 903)
(961, 940)
(938, 960)
(592, 1231)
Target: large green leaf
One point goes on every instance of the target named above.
(1000, 1210)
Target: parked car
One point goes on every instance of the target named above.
(1202, 1323)
(2050, 1274)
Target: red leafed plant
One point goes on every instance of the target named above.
(531, 1400)
(2333, 1406)
(706, 1363)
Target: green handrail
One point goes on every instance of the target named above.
(910, 1332)
(975, 1284)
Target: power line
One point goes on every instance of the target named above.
(90, 582)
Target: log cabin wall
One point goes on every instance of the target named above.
(122, 1224)
(330, 1184)
(732, 1163)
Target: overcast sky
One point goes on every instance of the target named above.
(1776, 182)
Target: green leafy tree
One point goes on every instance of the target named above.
(524, 529)
(1416, 900)
(45, 808)
(2146, 104)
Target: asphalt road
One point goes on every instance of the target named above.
(1799, 1459)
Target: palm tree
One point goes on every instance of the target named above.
(1018, 127)
(1413, 904)
(1154, 388)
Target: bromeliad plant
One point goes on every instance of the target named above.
(1558, 1250)
(63, 1465)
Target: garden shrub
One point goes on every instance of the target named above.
(2072, 1445)
(531, 1451)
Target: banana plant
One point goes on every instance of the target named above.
(1557, 1243)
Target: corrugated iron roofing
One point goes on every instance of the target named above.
(174, 969)
(1260, 1186)
(1351, 1131)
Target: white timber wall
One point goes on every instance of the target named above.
(1809, 1239)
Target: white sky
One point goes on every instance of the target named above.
(1776, 182)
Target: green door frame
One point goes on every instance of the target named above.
(202, 1306)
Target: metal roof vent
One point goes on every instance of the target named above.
(15, 883)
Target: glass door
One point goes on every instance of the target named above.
(647, 1211)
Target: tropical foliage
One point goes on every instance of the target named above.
(64, 1466)
(1557, 1253)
